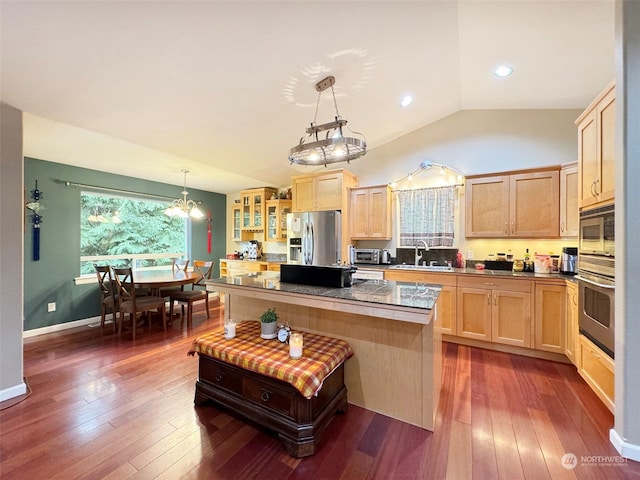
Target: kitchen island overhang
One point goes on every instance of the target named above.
(392, 327)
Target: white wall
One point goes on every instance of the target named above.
(11, 227)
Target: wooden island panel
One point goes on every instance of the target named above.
(396, 365)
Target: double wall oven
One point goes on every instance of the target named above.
(596, 277)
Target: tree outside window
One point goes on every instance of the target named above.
(130, 227)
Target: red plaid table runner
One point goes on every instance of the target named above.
(321, 355)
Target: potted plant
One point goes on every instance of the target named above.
(269, 323)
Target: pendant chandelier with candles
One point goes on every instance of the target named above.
(326, 143)
(182, 207)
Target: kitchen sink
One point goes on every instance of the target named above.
(423, 268)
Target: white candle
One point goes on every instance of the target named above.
(295, 345)
(229, 328)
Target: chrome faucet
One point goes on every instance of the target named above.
(419, 257)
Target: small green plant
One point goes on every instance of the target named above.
(269, 316)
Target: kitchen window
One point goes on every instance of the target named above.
(427, 214)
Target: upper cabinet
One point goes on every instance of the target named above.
(322, 191)
(277, 220)
(525, 205)
(596, 150)
(370, 211)
(253, 212)
(569, 214)
(236, 224)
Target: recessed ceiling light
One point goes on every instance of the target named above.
(503, 71)
(406, 101)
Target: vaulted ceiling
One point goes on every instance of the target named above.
(224, 89)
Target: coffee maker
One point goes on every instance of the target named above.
(569, 261)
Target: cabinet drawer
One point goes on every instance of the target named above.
(489, 282)
(219, 374)
(270, 396)
(597, 369)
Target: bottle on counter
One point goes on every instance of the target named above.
(528, 263)
(459, 260)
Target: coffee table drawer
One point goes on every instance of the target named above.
(269, 395)
(221, 375)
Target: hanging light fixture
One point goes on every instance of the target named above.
(182, 207)
(319, 148)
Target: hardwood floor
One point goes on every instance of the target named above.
(104, 407)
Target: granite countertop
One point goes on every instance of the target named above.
(384, 292)
(473, 271)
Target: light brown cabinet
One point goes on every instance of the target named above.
(569, 210)
(550, 317)
(370, 211)
(252, 208)
(276, 228)
(322, 191)
(446, 300)
(230, 268)
(571, 332)
(495, 310)
(598, 370)
(236, 224)
(596, 150)
(523, 205)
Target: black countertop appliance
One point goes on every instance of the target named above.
(337, 276)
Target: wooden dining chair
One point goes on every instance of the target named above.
(131, 303)
(108, 295)
(177, 265)
(198, 292)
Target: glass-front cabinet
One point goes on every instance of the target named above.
(277, 219)
(253, 208)
(236, 231)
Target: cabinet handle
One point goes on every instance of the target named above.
(562, 226)
(593, 352)
(495, 299)
(575, 299)
(490, 283)
(595, 184)
(266, 395)
(218, 377)
(506, 230)
(488, 299)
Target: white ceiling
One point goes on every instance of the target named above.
(146, 88)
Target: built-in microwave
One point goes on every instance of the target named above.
(597, 232)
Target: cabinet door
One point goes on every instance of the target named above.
(550, 317)
(606, 120)
(328, 192)
(572, 331)
(597, 369)
(359, 211)
(236, 226)
(569, 210)
(587, 160)
(534, 204)
(511, 318)
(487, 207)
(447, 310)
(380, 213)
(302, 194)
(474, 313)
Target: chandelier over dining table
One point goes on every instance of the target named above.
(327, 143)
(183, 207)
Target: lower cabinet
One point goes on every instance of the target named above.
(572, 329)
(494, 310)
(550, 317)
(447, 299)
(597, 369)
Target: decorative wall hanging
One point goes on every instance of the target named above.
(208, 232)
(36, 207)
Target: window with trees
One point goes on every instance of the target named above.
(124, 231)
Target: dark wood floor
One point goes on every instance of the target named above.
(104, 407)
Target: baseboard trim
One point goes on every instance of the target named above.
(12, 392)
(93, 322)
(625, 449)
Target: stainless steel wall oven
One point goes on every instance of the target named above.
(596, 277)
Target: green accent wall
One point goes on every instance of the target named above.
(51, 279)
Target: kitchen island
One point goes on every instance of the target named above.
(392, 328)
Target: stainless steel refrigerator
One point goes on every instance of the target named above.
(314, 238)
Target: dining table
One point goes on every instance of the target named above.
(154, 280)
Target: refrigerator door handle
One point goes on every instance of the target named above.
(312, 241)
(305, 244)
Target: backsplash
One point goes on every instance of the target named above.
(440, 255)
